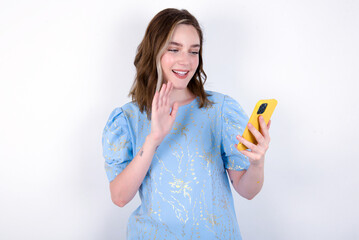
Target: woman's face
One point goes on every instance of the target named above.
(180, 60)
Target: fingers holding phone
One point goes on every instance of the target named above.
(257, 151)
(256, 134)
(263, 108)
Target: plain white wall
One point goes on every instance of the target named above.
(64, 66)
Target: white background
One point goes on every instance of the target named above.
(65, 65)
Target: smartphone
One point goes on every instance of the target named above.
(263, 108)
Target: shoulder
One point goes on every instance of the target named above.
(128, 110)
(220, 98)
(214, 96)
(119, 120)
(227, 105)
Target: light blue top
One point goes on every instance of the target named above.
(186, 192)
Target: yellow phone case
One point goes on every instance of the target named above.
(269, 108)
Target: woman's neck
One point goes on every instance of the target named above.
(182, 96)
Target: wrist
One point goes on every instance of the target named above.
(259, 166)
(153, 141)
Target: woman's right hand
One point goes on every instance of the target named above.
(162, 119)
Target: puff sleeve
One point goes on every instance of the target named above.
(234, 121)
(116, 144)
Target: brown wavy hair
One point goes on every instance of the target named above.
(148, 78)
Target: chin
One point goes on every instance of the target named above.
(179, 86)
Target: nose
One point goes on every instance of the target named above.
(184, 59)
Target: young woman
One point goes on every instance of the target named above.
(175, 141)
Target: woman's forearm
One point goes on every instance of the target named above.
(251, 182)
(124, 187)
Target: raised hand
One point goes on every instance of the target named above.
(162, 119)
(258, 151)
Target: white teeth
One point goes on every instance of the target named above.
(180, 73)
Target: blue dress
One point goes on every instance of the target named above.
(186, 192)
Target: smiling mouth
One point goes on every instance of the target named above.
(180, 74)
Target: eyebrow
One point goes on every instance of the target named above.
(180, 45)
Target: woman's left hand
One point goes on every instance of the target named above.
(258, 151)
